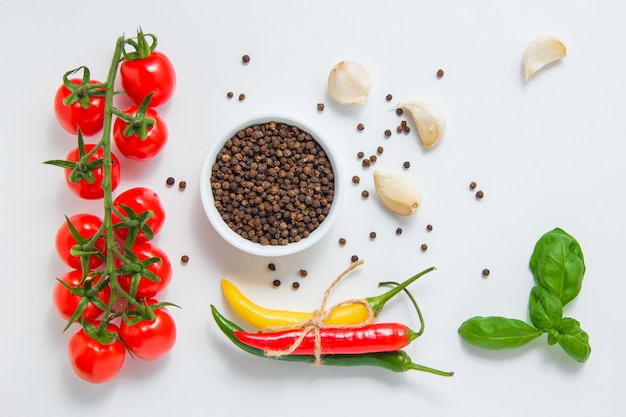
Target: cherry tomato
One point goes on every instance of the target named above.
(87, 226)
(90, 120)
(163, 269)
(132, 146)
(93, 361)
(92, 191)
(140, 199)
(150, 340)
(154, 74)
(66, 302)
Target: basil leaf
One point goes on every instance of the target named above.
(497, 332)
(545, 309)
(558, 265)
(574, 340)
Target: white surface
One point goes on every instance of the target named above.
(547, 154)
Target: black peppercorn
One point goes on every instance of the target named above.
(245, 58)
(170, 181)
(276, 283)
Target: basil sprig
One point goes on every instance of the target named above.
(558, 268)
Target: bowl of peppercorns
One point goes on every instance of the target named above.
(270, 186)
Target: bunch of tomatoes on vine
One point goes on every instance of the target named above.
(116, 272)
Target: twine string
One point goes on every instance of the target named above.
(315, 323)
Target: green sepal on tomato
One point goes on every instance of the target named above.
(96, 357)
(146, 272)
(80, 104)
(143, 211)
(140, 132)
(149, 339)
(68, 297)
(72, 241)
(84, 175)
(145, 71)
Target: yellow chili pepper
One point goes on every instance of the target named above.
(351, 314)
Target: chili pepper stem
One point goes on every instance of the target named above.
(378, 302)
(414, 366)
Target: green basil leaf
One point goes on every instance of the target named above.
(497, 332)
(558, 265)
(545, 309)
(576, 341)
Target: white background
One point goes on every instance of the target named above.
(546, 153)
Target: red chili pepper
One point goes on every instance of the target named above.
(378, 337)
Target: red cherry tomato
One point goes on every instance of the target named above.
(90, 120)
(87, 226)
(154, 74)
(66, 302)
(132, 146)
(92, 191)
(163, 269)
(150, 340)
(93, 361)
(140, 199)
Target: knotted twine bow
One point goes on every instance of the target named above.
(316, 323)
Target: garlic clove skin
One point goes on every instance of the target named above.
(397, 193)
(429, 120)
(349, 83)
(540, 52)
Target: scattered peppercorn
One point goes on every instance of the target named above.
(486, 272)
(354, 258)
(387, 133)
(342, 241)
(373, 159)
(245, 58)
(406, 164)
(365, 193)
(407, 129)
(170, 181)
(400, 129)
(472, 185)
(271, 266)
(388, 97)
(439, 73)
(303, 273)
(424, 247)
(320, 106)
(403, 123)
(242, 97)
(182, 185)
(399, 112)
(360, 126)
(356, 179)
(230, 94)
(479, 194)
(372, 235)
(429, 227)
(360, 155)
(380, 150)
(276, 283)
(295, 285)
(366, 163)
(184, 259)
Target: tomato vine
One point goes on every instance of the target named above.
(116, 262)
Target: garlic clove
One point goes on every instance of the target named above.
(397, 193)
(349, 83)
(429, 120)
(540, 52)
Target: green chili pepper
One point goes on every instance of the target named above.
(397, 361)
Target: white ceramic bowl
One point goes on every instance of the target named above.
(232, 237)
